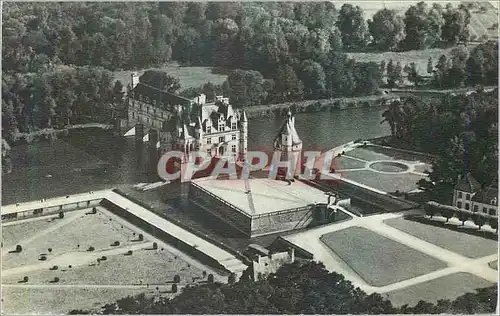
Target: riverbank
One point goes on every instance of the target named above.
(50, 134)
(391, 142)
(322, 105)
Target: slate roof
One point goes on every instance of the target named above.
(160, 95)
(486, 195)
(468, 184)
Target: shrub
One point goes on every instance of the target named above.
(204, 273)
(103, 258)
(174, 288)
(25, 279)
(129, 252)
(70, 266)
(210, 278)
(177, 278)
(155, 246)
(141, 237)
(94, 210)
(116, 243)
(61, 215)
(50, 249)
(54, 268)
(91, 248)
(56, 279)
(43, 258)
(19, 248)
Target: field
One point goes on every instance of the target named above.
(419, 57)
(459, 242)
(379, 260)
(189, 77)
(83, 281)
(447, 287)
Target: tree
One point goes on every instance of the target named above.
(430, 66)
(19, 248)
(394, 74)
(160, 80)
(463, 217)
(386, 29)
(353, 27)
(422, 27)
(177, 278)
(456, 25)
(61, 214)
(287, 85)
(493, 222)
(313, 77)
(246, 87)
(412, 73)
(479, 220)
(210, 278)
(25, 279)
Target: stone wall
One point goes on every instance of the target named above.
(221, 209)
(282, 221)
(263, 266)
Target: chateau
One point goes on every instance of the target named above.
(209, 126)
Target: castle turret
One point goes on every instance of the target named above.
(288, 145)
(243, 136)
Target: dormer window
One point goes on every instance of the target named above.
(221, 126)
(493, 201)
(209, 129)
(459, 195)
(233, 126)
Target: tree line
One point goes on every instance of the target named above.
(57, 97)
(298, 288)
(248, 35)
(461, 129)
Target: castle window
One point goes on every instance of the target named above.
(233, 126)
(221, 139)
(476, 208)
(209, 129)
(147, 109)
(233, 148)
(493, 211)
(209, 141)
(233, 137)
(467, 206)
(467, 197)
(459, 195)
(133, 114)
(459, 204)
(221, 127)
(485, 210)
(153, 122)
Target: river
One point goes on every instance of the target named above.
(94, 159)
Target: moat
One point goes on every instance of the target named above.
(94, 159)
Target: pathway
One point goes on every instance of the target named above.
(310, 240)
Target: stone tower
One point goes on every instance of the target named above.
(289, 145)
(243, 136)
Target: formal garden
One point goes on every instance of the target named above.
(377, 259)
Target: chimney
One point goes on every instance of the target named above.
(134, 79)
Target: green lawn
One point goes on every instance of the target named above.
(345, 162)
(404, 182)
(379, 260)
(189, 77)
(465, 244)
(447, 287)
(14, 232)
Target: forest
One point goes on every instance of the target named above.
(58, 58)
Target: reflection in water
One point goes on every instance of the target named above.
(93, 159)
